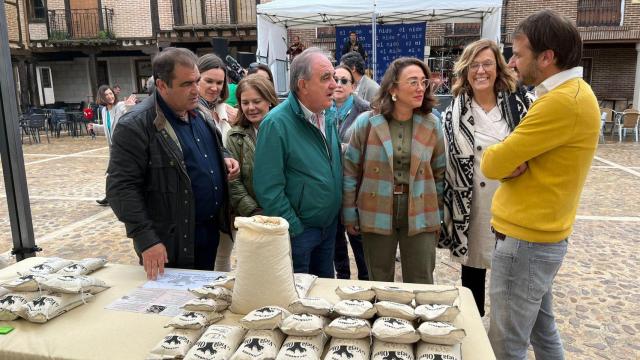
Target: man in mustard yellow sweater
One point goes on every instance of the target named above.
(543, 165)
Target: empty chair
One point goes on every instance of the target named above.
(35, 123)
(59, 120)
(628, 121)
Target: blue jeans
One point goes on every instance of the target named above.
(522, 276)
(312, 251)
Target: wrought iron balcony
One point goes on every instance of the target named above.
(599, 12)
(209, 13)
(462, 29)
(80, 24)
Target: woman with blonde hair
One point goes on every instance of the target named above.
(393, 175)
(486, 107)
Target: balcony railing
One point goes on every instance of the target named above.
(80, 24)
(214, 12)
(599, 13)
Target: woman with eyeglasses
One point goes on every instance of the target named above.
(256, 97)
(214, 91)
(260, 69)
(394, 173)
(347, 108)
(486, 107)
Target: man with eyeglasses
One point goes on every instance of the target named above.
(298, 169)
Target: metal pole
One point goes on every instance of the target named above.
(15, 179)
(374, 43)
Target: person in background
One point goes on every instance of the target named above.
(394, 176)
(542, 167)
(354, 45)
(109, 112)
(116, 90)
(297, 172)
(151, 86)
(486, 107)
(214, 92)
(347, 107)
(296, 48)
(168, 171)
(262, 70)
(256, 97)
(365, 87)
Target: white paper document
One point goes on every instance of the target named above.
(178, 279)
(164, 302)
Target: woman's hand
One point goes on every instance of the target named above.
(353, 230)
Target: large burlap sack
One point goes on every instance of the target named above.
(427, 351)
(383, 350)
(218, 342)
(259, 345)
(349, 349)
(302, 347)
(264, 273)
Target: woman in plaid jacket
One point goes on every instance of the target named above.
(394, 174)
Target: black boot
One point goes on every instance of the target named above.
(103, 202)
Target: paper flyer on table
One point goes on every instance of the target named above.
(177, 279)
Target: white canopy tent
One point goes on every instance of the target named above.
(274, 18)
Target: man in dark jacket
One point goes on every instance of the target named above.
(168, 172)
(354, 45)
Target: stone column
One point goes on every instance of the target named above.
(636, 89)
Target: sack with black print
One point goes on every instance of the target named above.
(213, 292)
(46, 307)
(392, 309)
(355, 308)
(303, 324)
(265, 318)
(205, 304)
(316, 306)
(302, 347)
(427, 351)
(383, 350)
(226, 281)
(49, 266)
(218, 342)
(83, 267)
(10, 304)
(175, 344)
(437, 312)
(347, 327)
(442, 333)
(394, 330)
(394, 294)
(73, 284)
(194, 319)
(446, 296)
(349, 349)
(304, 283)
(355, 292)
(24, 283)
(259, 345)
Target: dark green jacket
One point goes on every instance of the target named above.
(297, 174)
(241, 143)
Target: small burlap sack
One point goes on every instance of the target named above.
(175, 344)
(397, 310)
(437, 312)
(83, 267)
(265, 318)
(303, 324)
(428, 351)
(349, 349)
(346, 327)
(356, 308)
(259, 345)
(394, 330)
(442, 333)
(10, 304)
(194, 319)
(47, 307)
(355, 292)
(316, 306)
(73, 284)
(218, 342)
(383, 350)
(394, 294)
(24, 283)
(302, 347)
(437, 296)
(205, 304)
(49, 266)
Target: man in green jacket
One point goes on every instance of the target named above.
(298, 172)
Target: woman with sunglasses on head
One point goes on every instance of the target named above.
(394, 173)
(214, 91)
(486, 107)
(260, 69)
(347, 108)
(256, 97)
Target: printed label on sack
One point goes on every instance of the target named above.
(173, 342)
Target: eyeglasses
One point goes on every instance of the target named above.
(485, 65)
(343, 81)
(415, 82)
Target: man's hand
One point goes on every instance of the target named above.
(153, 260)
(131, 100)
(233, 167)
(518, 171)
(353, 230)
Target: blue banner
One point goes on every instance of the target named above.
(394, 41)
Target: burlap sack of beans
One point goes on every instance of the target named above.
(426, 351)
(347, 327)
(194, 319)
(205, 304)
(24, 283)
(394, 330)
(436, 332)
(49, 266)
(316, 306)
(383, 350)
(397, 310)
(264, 274)
(10, 304)
(175, 344)
(83, 267)
(394, 294)
(356, 308)
(437, 296)
(264, 318)
(303, 324)
(304, 283)
(302, 347)
(437, 312)
(213, 292)
(226, 281)
(259, 345)
(355, 292)
(349, 349)
(73, 284)
(46, 307)
(218, 342)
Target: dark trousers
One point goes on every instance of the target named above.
(207, 237)
(312, 251)
(474, 279)
(341, 255)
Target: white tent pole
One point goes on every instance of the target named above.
(374, 42)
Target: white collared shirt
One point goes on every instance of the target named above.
(308, 114)
(556, 80)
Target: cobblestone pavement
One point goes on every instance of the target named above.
(597, 297)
